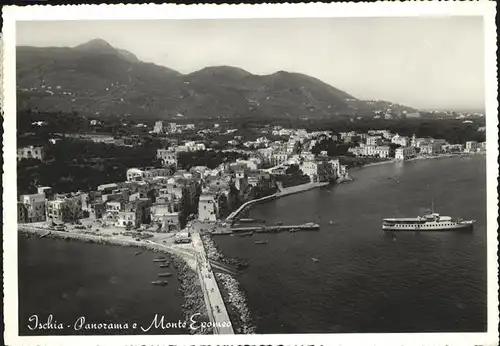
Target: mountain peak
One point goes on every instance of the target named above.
(96, 44)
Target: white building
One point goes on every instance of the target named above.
(140, 174)
(30, 152)
(373, 140)
(405, 153)
(158, 128)
(208, 209)
(401, 140)
(35, 207)
(380, 151)
(471, 146)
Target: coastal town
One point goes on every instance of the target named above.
(167, 208)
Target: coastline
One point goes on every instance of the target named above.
(192, 295)
(419, 158)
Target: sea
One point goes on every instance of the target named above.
(361, 281)
(103, 284)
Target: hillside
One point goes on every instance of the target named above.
(96, 78)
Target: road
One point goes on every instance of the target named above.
(215, 302)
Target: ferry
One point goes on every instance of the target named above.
(428, 222)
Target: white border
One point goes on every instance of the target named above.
(11, 14)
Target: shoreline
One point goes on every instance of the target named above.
(418, 158)
(192, 296)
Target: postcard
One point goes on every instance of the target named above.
(279, 174)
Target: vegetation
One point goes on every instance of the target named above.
(208, 158)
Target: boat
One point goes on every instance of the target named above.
(331, 222)
(138, 253)
(427, 222)
(163, 275)
(165, 265)
(279, 223)
(160, 282)
(160, 260)
(315, 259)
(246, 234)
(241, 265)
(260, 242)
(310, 226)
(293, 230)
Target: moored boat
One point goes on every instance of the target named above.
(165, 265)
(162, 275)
(160, 282)
(260, 242)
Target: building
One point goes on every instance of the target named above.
(453, 148)
(431, 149)
(64, 209)
(471, 146)
(376, 151)
(373, 140)
(46, 190)
(158, 128)
(30, 152)
(35, 207)
(168, 157)
(318, 171)
(22, 213)
(405, 153)
(166, 217)
(401, 140)
(208, 208)
(144, 174)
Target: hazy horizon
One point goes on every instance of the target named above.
(425, 63)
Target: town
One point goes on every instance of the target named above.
(164, 199)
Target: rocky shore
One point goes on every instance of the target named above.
(237, 302)
(213, 252)
(190, 286)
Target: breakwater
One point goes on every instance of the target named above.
(285, 192)
(234, 295)
(192, 295)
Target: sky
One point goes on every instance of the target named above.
(427, 63)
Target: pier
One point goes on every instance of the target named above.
(216, 307)
(281, 193)
(268, 229)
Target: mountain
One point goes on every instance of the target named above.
(97, 78)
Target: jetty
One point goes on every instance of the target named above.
(282, 192)
(216, 307)
(268, 229)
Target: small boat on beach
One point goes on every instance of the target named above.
(160, 282)
(260, 242)
(164, 275)
(160, 259)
